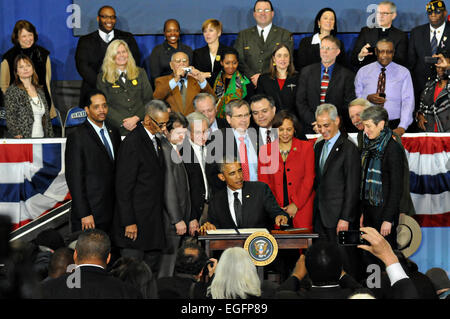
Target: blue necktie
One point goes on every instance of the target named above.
(434, 43)
(324, 156)
(108, 149)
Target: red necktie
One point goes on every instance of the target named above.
(244, 159)
(324, 86)
(381, 86)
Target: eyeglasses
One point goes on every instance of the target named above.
(160, 125)
(261, 10)
(108, 17)
(437, 11)
(384, 13)
(241, 116)
(180, 61)
(328, 48)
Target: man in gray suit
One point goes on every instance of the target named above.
(255, 44)
(177, 202)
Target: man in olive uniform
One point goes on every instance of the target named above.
(255, 44)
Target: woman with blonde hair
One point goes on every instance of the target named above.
(125, 86)
(208, 58)
(235, 276)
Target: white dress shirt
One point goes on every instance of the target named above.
(197, 151)
(230, 194)
(105, 35)
(97, 130)
(266, 31)
(439, 33)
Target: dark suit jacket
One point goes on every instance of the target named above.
(392, 180)
(337, 189)
(173, 97)
(90, 175)
(195, 178)
(89, 56)
(139, 192)
(371, 36)
(176, 189)
(223, 143)
(419, 47)
(308, 54)
(259, 207)
(340, 92)
(406, 204)
(95, 283)
(202, 61)
(284, 98)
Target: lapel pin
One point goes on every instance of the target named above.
(247, 196)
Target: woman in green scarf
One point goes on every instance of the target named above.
(230, 84)
(382, 174)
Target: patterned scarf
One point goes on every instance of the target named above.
(237, 90)
(371, 158)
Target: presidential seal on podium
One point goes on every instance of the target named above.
(262, 248)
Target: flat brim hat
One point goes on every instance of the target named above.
(439, 278)
(409, 235)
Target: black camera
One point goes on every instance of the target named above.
(352, 238)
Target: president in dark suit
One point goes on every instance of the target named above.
(426, 40)
(89, 280)
(89, 157)
(138, 221)
(91, 49)
(368, 38)
(325, 82)
(243, 204)
(337, 182)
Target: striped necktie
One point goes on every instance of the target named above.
(434, 43)
(324, 86)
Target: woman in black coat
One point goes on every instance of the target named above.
(281, 81)
(24, 38)
(308, 51)
(208, 58)
(382, 175)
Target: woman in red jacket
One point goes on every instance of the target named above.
(287, 166)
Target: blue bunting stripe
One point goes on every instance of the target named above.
(40, 181)
(429, 184)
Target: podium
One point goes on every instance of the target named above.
(285, 240)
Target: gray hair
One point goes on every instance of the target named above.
(155, 106)
(196, 116)
(201, 96)
(235, 104)
(327, 108)
(376, 114)
(171, 57)
(360, 101)
(235, 276)
(393, 6)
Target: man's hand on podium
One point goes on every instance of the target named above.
(206, 226)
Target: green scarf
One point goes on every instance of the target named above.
(237, 90)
